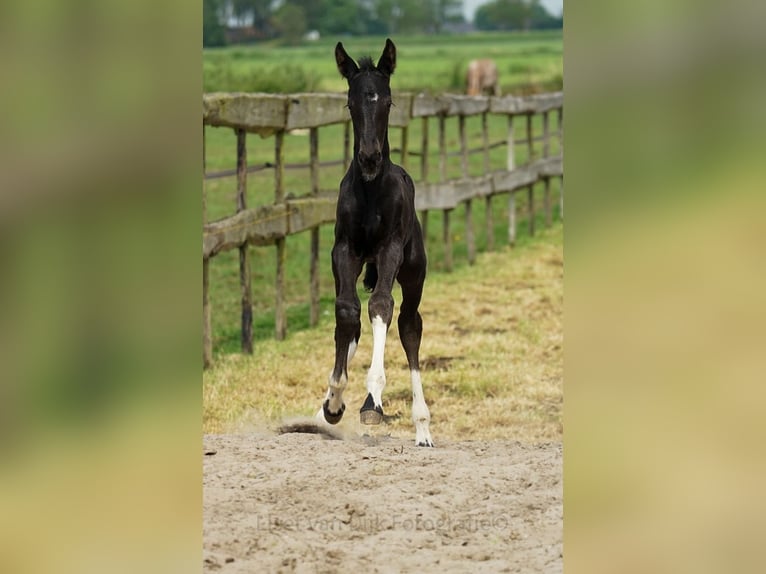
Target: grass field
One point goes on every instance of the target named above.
(527, 61)
(492, 357)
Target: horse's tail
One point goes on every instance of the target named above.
(370, 276)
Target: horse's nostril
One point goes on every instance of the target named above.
(370, 158)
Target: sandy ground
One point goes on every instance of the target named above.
(298, 502)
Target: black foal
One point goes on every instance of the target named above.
(375, 225)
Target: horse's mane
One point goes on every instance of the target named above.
(366, 65)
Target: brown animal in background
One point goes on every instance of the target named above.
(482, 77)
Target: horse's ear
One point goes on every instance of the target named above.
(346, 65)
(387, 61)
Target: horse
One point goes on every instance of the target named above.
(482, 77)
(376, 225)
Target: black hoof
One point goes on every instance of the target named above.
(427, 443)
(332, 418)
(369, 414)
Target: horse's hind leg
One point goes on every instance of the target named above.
(410, 322)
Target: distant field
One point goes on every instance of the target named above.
(527, 61)
(424, 62)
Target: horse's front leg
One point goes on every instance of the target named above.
(346, 268)
(381, 310)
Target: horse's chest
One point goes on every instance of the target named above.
(371, 230)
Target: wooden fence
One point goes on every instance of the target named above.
(275, 115)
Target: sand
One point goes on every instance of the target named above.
(301, 502)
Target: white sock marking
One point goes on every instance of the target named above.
(335, 388)
(421, 416)
(376, 376)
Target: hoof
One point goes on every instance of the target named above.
(369, 413)
(332, 418)
(425, 443)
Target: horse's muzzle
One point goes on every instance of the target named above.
(370, 164)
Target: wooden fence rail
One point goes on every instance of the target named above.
(275, 115)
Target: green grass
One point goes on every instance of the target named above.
(492, 351)
(526, 61)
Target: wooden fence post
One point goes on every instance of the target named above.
(446, 233)
(405, 147)
(314, 257)
(531, 187)
(510, 166)
(244, 263)
(561, 198)
(547, 202)
(488, 200)
(547, 180)
(560, 125)
(207, 340)
(280, 318)
(469, 235)
(424, 178)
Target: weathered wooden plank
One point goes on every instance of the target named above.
(401, 111)
(549, 101)
(263, 114)
(505, 181)
(259, 226)
(434, 196)
(459, 105)
(526, 104)
(262, 226)
(426, 105)
(305, 213)
(549, 167)
(450, 194)
(314, 110)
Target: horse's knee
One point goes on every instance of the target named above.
(347, 317)
(381, 305)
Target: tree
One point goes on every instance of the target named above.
(290, 21)
(258, 10)
(446, 11)
(212, 29)
(513, 15)
(343, 17)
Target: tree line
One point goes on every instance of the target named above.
(236, 21)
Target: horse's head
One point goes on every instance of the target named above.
(369, 101)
